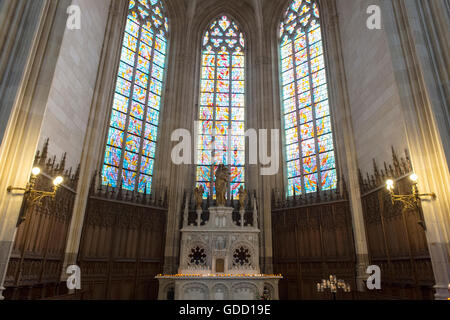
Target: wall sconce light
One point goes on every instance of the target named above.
(33, 196)
(410, 201)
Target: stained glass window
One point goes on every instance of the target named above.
(133, 133)
(309, 143)
(221, 137)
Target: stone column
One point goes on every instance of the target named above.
(18, 26)
(178, 111)
(418, 39)
(186, 211)
(97, 126)
(345, 142)
(265, 109)
(31, 38)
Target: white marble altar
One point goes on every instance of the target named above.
(219, 260)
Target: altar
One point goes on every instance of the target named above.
(219, 260)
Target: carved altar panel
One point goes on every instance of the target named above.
(219, 259)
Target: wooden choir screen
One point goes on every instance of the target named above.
(312, 238)
(37, 257)
(396, 241)
(122, 245)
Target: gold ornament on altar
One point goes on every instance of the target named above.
(198, 194)
(222, 180)
(242, 197)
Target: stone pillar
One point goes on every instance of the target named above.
(199, 217)
(178, 111)
(345, 142)
(255, 213)
(186, 211)
(31, 38)
(418, 35)
(265, 109)
(18, 25)
(97, 126)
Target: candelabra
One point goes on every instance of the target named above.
(410, 201)
(33, 196)
(333, 284)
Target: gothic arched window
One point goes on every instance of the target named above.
(133, 132)
(221, 127)
(309, 147)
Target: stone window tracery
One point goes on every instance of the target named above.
(241, 257)
(197, 256)
(222, 103)
(308, 143)
(133, 130)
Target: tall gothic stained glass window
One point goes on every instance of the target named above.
(309, 147)
(221, 128)
(133, 131)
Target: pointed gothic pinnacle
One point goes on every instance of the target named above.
(44, 151)
(119, 192)
(344, 188)
(93, 180)
(37, 157)
(375, 168)
(360, 177)
(386, 170)
(394, 155)
(62, 164)
(408, 160)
